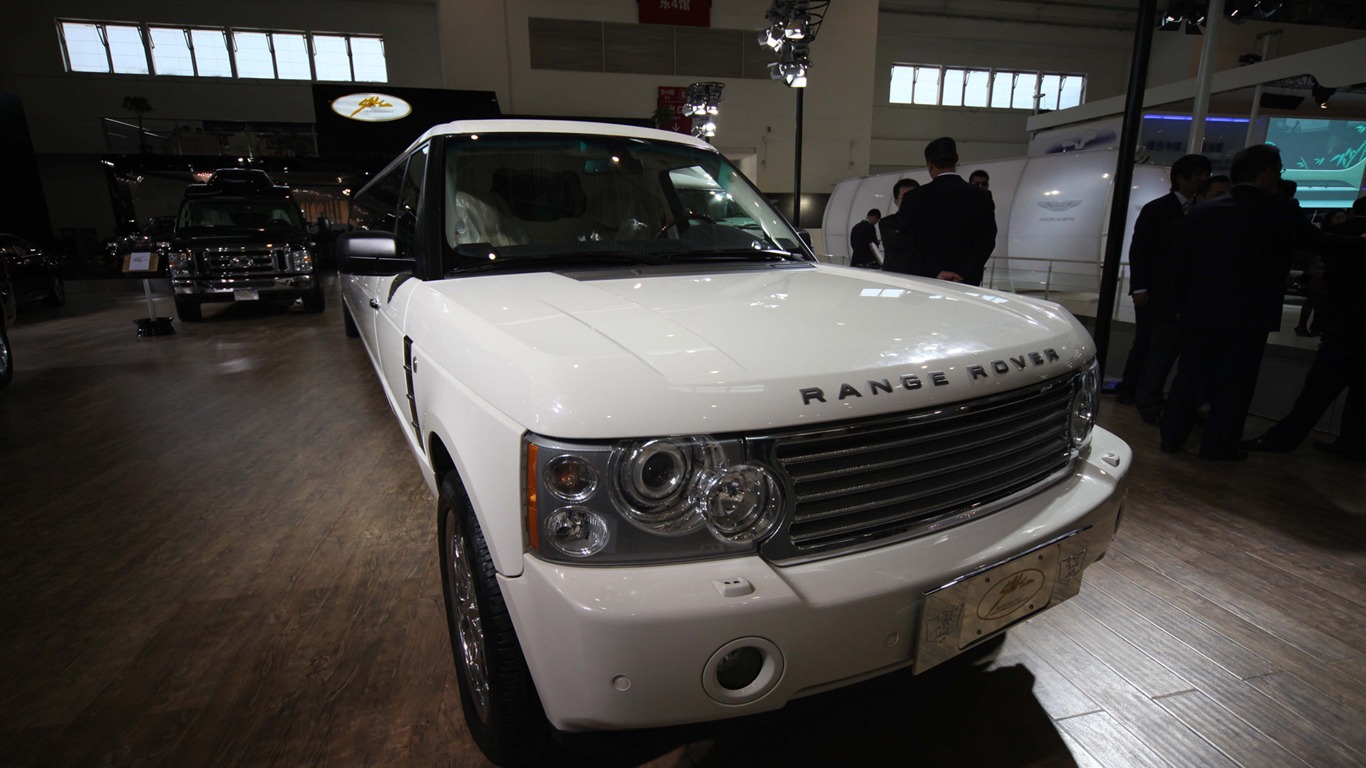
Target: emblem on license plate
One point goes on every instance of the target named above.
(1012, 592)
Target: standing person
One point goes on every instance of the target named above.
(863, 242)
(980, 178)
(1217, 185)
(1152, 284)
(1340, 363)
(1233, 257)
(896, 247)
(951, 223)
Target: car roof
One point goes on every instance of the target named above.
(520, 125)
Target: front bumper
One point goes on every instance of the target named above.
(634, 647)
(228, 289)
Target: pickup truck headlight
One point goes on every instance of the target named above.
(180, 263)
(1084, 400)
(654, 500)
(300, 261)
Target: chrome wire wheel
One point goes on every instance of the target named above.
(469, 625)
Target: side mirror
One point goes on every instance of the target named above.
(364, 252)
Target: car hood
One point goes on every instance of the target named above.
(734, 351)
(227, 237)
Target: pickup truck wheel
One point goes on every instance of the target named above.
(56, 296)
(314, 301)
(6, 359)
(349, 322)
(497, 694)
(188, 310)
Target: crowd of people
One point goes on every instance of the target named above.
(1209, 263)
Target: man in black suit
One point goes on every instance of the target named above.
(1233, 257)
(1340, 363)
(951, 223)
(896, 247)
(861, 241)
(1152, 253)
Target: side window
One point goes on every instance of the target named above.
(410, 201)
(375, 206)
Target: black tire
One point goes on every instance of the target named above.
(314, 301)
(56, 297)
(6, 358)
(498, 697)
(349, 322)
(188, 310)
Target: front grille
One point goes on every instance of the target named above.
(895, 477)
(241, 263)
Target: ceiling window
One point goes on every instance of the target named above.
(934, 85)
(177, 51)
(171, 52)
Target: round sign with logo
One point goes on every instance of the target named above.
(371, 107)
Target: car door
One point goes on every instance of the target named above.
(390, 320)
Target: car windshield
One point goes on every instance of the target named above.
(561, 201)
(237, 213)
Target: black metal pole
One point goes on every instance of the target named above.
(797, 171)
(1124, 176)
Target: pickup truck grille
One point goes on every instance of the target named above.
(240, 263)
(861, 484)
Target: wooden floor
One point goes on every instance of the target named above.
(216, 550)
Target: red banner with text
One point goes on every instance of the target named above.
(689, 13)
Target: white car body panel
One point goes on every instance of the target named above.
(601, 355)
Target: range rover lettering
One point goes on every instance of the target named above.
(684, 470)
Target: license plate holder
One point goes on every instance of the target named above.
(977, 606)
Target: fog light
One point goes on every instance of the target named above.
(739, 668)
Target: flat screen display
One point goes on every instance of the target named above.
(1324, 157)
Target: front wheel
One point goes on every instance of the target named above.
(497, 695)
(188, 310)
(56, 295)
(314, 302)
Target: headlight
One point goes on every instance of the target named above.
(1084, 399)
(180, 262)
(655, 500)
(300, 261)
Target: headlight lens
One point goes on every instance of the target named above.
(743, 503)
(180, 262)
(300, 261)
(576, 532)
(681, 498)
(1084, 400)
(657, 481)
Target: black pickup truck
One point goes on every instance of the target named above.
(241, 237)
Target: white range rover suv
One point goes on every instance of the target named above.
(684, 471)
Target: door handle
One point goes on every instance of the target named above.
(374, 303)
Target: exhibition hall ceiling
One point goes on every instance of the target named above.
(1120, 14)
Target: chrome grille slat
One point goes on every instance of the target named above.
(855, 465)
(934, 511)
(962, 465)
(860, 484)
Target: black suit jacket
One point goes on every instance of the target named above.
(861, 238)
(1234, 255)
(1152, 254)
(951, 226)
(896, 249)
